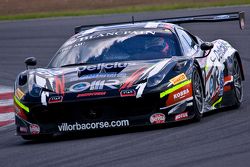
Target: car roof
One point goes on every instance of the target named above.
(143, 25)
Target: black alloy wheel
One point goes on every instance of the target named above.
(238, 87)
(198, 95)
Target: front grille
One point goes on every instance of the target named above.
(112, 108)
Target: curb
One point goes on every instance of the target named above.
(7, 116)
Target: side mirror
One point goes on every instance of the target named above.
(206, 46)
(30, 61)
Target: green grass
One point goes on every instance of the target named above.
(124, 10)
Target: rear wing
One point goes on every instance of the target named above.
(221, 17)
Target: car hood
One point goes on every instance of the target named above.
(128, 78)
(103, 76)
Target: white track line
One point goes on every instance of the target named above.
(8, 102)
(7, 117)
(5, 89)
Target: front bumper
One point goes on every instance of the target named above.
(104, 113)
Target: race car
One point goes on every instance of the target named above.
(129, 74)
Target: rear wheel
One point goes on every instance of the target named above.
(198, 95)
(238, 87)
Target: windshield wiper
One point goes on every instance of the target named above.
(75, 64)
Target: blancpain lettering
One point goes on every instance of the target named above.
(118, 33)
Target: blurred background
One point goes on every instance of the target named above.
(50, 8)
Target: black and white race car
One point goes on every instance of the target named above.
(129, 74)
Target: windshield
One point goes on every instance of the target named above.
(110, 47)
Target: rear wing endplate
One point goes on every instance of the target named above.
(221, 17)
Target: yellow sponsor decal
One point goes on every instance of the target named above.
(21, 105)
(19, 94)
(178, 79)
(165, 93)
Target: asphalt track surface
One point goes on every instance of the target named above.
(220, 139)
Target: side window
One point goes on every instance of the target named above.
(188, 43)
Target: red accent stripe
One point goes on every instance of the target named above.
(5, 96)
(4, 123)
(6, 109)
(130, 81)
(209, 73)
(227, 88)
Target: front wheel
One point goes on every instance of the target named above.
(198, 95)
(238, 87)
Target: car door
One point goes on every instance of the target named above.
(214, 82)
(213, 67)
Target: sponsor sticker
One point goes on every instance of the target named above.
(181, 116)
(95, 85)
(55, 99)
(102, 67)
(158, 118)
(34, 129)
(128, 93)
(103, 75)
(178, 95)
(115, 33)
(181, 94)
(65, 127)
(23, 129)
(178, 79)
(19, 94)
(221, 17)
(99, 76)
(92, 94)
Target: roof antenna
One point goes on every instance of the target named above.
(133, 20)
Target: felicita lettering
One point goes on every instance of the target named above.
(103, 66)
(181, 94)
(95, 85)
(158, 118)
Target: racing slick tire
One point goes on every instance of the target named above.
(198, 95)
(237, 80)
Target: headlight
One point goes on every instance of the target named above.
(22, 79)
(34, 89)
(180, 65)
(156, 79)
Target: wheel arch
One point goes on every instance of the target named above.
(237, 55)
(196, 64)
